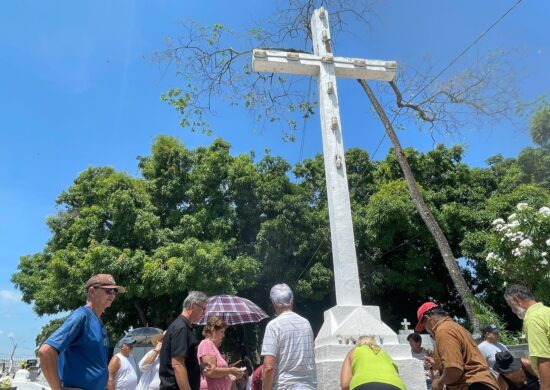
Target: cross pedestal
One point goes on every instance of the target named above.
(349, 319)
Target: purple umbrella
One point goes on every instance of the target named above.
(233, 310)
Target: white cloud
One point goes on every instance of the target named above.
(11, 296)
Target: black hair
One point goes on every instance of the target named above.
(415, 337)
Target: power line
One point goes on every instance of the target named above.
(309, 261)
(453, 61)
(460, 55)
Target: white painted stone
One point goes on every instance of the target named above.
(349, 319)
(342, 323)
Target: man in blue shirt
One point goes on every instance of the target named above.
(75, 355)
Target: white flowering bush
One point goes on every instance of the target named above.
(519, 246)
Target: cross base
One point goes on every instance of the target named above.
(342, 325)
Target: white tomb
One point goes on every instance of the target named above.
(349, 319)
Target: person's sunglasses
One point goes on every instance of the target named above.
(110, 291)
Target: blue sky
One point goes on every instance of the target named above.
(77, 90)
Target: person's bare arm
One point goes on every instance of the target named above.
(543, 366)
(114, 366)
(149, 358)
(48, 363)
(346, 373)
(214, 371)
(180, 372)
(268, 374)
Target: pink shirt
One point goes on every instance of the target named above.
(206, 347)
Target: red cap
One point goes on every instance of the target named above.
(420, 313)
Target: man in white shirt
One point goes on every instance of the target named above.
(287, 348)
(490, 346)
(123, 368)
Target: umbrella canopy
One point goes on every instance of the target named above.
(145, 334)
(233, 310)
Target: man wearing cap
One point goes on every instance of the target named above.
(179, 365)
(491, 346)
(122, 367)
(287, 348)
(515, 373)
(457, 359)
(75, 355)
(536, 326)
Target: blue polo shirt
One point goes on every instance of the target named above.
(82, 344)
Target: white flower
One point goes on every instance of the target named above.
(544, 262)
(545, 211)
(499, 221)
(513, 224)
(490, 256)
(512, 217)
(504, 284)
(548, 242)
(522, 206)
(526, 243)
(543, 254)
(499, 227)
(516, 252)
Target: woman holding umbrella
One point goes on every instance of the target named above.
(217, 373)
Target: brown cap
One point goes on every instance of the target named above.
(103, 280)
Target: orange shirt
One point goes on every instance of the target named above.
(455, 347)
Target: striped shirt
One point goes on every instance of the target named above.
(289, 339)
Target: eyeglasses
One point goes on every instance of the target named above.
(202, 307)
(109, 291)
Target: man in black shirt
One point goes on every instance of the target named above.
(179, 365)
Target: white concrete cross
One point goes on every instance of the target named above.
(327, 68)
(405, 324)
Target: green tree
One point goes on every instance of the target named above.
(540, 126)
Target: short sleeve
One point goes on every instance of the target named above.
(206, 348)
(270, 346)
(449, 349)
(179, 345)
(538, 338)
(69, 331)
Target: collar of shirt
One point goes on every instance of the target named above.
(441, 321)
(189, 324)
(533, 308)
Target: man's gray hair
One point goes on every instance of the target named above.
(194, 297)
(281, 295)
(520, 291)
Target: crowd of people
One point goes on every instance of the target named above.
(75, 356)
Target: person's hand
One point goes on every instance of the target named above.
(237, 372)
(428, 361)
(158, 347)
(435, 384)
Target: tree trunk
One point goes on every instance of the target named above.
(141, 313)
(425, 213)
